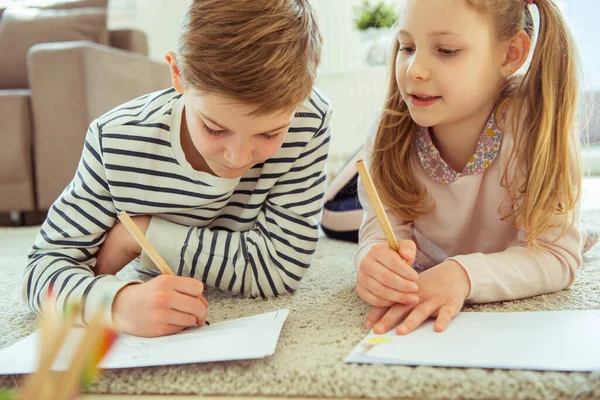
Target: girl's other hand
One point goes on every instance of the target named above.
(442, 293)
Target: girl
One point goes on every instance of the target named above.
(478, 167)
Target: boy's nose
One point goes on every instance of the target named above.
(238, 157)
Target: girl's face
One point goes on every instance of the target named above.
(228, 141)
(448, 68)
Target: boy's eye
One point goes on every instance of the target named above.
(212, 131)
(447, 52)
(222, 132)
(271, 137)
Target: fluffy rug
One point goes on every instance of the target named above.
(324, 324)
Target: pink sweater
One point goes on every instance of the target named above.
(466, 227)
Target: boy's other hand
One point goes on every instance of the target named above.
(386, 277)
(119, 247)
(162, 306)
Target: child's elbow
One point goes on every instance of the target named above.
(568, 271)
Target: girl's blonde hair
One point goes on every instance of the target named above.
(542, 104)
(261, 53)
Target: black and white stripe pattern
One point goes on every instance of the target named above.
(254, 236)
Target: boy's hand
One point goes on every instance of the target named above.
(119, 247)
(442, 293)
(162, 306)
(386, 277)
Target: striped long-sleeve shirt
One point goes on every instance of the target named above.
(253, 235)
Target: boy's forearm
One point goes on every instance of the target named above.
(64, 251)
(73, 282)
(265, 261)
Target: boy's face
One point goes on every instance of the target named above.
(448, 68)
(228, 140)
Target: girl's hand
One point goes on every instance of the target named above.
(386, 277)
(162, 306)
(119, 247)
(442, 293)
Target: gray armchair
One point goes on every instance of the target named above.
(42, 128)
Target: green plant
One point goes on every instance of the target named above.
(380, 15)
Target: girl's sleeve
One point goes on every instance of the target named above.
(269, 259)
(519, 271)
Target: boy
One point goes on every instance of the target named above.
(223, 173)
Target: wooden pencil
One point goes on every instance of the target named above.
(148, 248)
(367, 181)
(35, 386)
(48, 322)
(54, 331)
(82, 356)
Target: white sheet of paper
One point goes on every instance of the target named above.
(238, 339)
(545, 340)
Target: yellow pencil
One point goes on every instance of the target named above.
(377, 205)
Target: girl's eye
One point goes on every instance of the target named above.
(447, 52)
(406, 49)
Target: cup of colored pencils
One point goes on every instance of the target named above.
(95, 344)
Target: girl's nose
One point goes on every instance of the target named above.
(417, 70)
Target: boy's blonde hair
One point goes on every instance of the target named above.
(542, 104)
(263, 53)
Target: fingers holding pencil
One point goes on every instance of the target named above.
(386, 276)
(406, 248)
(172, 302)
(162, 306)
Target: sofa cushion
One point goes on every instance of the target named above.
(66, 4)
(61, 5)
(16, 174)
(23, 27)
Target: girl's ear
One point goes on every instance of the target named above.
(175, 72)
(516, 53)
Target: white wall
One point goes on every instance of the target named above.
(582, 16)
(341, 42)
(161, 19)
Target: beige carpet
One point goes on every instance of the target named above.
(323, 326)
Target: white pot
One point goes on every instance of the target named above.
(377, 43)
